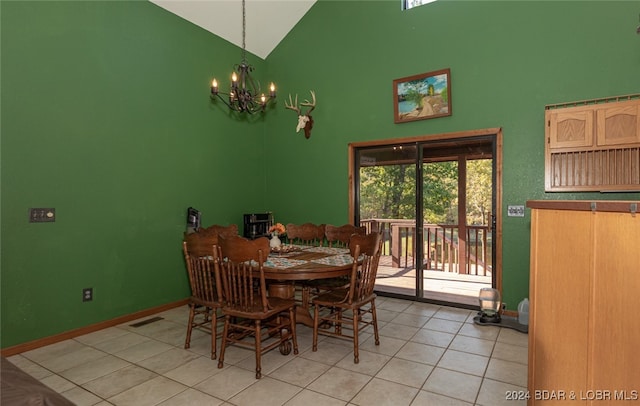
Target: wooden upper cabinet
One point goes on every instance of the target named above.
(619, 124)
(593, 145)
(571, 127)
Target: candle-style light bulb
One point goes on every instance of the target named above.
(214, 86)
(234, 80)
(263, 98)
(272, 90)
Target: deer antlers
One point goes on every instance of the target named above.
(305, 121)
(294, 105)
(307, 104)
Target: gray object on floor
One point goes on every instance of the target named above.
(508, 322)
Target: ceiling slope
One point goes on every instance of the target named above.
(267, 21)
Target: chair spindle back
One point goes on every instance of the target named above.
(199, 256)
(241, 271)
(367, 249)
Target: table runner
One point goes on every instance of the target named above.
(282, 262)
(329, 250)
(335, 260)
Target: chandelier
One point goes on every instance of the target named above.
(244, 94)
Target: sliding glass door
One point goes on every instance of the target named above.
(386, 202)
(434, 202)
(457, 207)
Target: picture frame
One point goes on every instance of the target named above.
(422, 96)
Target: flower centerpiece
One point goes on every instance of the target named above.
(275, 231)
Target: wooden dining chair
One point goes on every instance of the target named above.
(204, 302)
(311, 235)
(305, 234)
(247, 310)
(338, 236)
(217, 230)
(340, 307)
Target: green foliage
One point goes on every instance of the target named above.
(445, 94)
(389, 192)
(440, 192)
(479, 181)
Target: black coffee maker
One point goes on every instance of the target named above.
(193, 220)
(257, 225)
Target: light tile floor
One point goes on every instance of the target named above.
(428, 355)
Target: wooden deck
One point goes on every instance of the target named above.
(442, 286)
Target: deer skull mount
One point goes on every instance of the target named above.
(305, 121)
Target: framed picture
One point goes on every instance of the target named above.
(423, 96)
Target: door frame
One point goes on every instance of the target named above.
(495, 132)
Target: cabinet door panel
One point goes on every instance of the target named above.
(619, 125)
(561, 255)
(614, 353)
(569, 128)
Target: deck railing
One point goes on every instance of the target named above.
(441, 245)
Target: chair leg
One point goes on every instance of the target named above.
(356, 322)
(192, 310)
(374, 316)
(338, 320)
(292, 321)
(316, 320)
(305, 296)
(223, 344)
(258, 350)
(214, 331)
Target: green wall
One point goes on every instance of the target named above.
(106, 117)
(508, 59)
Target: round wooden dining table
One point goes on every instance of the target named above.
(301, 263)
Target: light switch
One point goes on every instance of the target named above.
(515, 211)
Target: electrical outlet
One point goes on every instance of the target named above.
(87, 294)
(42, 215)
(515, 211)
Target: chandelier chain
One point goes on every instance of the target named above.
(244, 95)
(244, 32)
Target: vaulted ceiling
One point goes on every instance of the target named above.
(267, 21)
